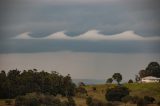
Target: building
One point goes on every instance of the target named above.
(150, 79)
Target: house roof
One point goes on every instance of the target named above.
(151, 77)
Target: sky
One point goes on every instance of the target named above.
(85, 38)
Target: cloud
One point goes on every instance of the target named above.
(91, 35)
(58, 35)
(25, 35)
(79, 16)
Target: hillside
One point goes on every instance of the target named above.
(142, 89)
(136, 89)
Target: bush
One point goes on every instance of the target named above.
(8, 101)
(158, 103)
(34, 99)
(89, 101)
(141, 102)
(116, 93)
(81, 92)
(148, 99)
(94, 102)
(130, 81)
(71, 102)
(134, 99)
(109, 104)
(126, 99)
(94, 88)
(64, 103)
(28, 100)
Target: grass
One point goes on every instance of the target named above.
(143, 89)
(136, 89)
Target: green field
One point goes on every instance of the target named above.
(136, 89)
(141, 89)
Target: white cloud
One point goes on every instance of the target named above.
(24, 36)
(58, 35)
(92, 35)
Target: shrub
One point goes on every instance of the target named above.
(94, 102)
(148, 99)
(8, 101)
(126, 99)
(94, 88)
(109, 104)
(141, 102)
(130, 81)
(81, 92)
(28, 100)
(116, 93)
(109, 80)
(34, 99)
(89, 101)
(64, 103)
(158, 103)
(71, 102)
(134, 99)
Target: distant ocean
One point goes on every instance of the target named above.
(89, 81)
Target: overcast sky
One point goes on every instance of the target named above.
(80, 37)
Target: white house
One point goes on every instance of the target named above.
(150, 79)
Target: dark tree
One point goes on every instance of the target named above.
(17, 82)
(109, 80)
(130, 81)
(153, 69)
(116, 93)
(117, 77)
(137, 78)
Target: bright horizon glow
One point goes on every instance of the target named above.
(91, 35)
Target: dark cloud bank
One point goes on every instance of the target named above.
(76, 17)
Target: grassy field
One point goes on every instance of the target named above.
(136, 89)
(141, 90)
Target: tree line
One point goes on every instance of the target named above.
(16, 82)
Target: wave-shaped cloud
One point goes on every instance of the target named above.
(92, 35)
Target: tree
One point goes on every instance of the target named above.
(153, 69)
(16, 83)
(137, 78)
(109, 80)
(117, 77)
(130, 81)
